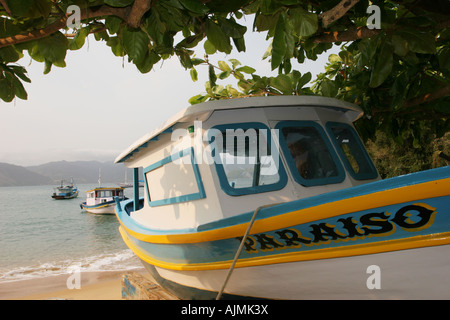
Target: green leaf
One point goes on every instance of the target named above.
(224, 75)
(209, 47)
(234, 62)
(224, 66)
(231, 28)
(197, 61)
(19, 90)
(328, 88)
(9, 54)
(383, 65)
(78, 41)
(146, 64)
(239, 43)
(283, 83)
(135, 43)
(418, 41)
(20, 7)
(278, 43)
(217, 37)
(6, 90)
(198, 99)
(53, 47)
(444, 58)
(304, 23)
(47, 66)
(119, 3)
(212, 76)
(194, 6)
(246, 69)
(304, 80)
(20, 72)
(400, 45)
(194, 74)
(113, 24)
(116, 46)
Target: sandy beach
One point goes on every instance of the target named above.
(104, 285)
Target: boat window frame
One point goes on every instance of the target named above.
(339, 178)
(373, 174)
(177, 199)
(223, 180)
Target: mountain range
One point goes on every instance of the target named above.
(53, 172)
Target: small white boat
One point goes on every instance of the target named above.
(277, 198)
(68, 191)
(101, 200)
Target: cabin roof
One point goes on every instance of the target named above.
(105, 188)
(205, 109)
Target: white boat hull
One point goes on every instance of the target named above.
(421, 273)
(100, 209)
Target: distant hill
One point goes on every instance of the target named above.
(54, 172)
(11, 175)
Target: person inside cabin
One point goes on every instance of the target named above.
(299, 150)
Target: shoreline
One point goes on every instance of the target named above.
(100, 285)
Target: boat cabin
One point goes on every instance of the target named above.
(220, 159)
(102, 195)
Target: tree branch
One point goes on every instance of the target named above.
(140, 7)
(328, 17)
(439, 93)
(353, 33)
(5, 5)
(131, 15)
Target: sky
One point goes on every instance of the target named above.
(100, 104)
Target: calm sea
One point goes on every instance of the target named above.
(40, 236)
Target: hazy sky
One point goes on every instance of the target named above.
(99, 104)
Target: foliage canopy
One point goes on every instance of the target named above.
(398, 73)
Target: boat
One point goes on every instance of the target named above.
(102, 200)
(277, 198)
(127, 184)
(68, 191)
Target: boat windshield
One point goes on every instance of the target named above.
(309, 154)
(244, 160)
(351, 150)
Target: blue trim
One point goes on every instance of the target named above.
(291, 163)
(372, 174)
(136, 187)
(97, 205)
(188, 197)
(224, 183)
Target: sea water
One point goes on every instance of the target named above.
(40, 236)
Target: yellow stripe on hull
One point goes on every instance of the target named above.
(328, 253)
(432, 189)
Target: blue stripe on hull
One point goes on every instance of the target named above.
(377, 226)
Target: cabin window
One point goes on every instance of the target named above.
(244, 160)
(174, 179)
(352, 151)
(309, 154)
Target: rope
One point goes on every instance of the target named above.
(241, 245)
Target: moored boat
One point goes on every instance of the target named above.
(101, 200)
(68, 191)
(277, 198)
